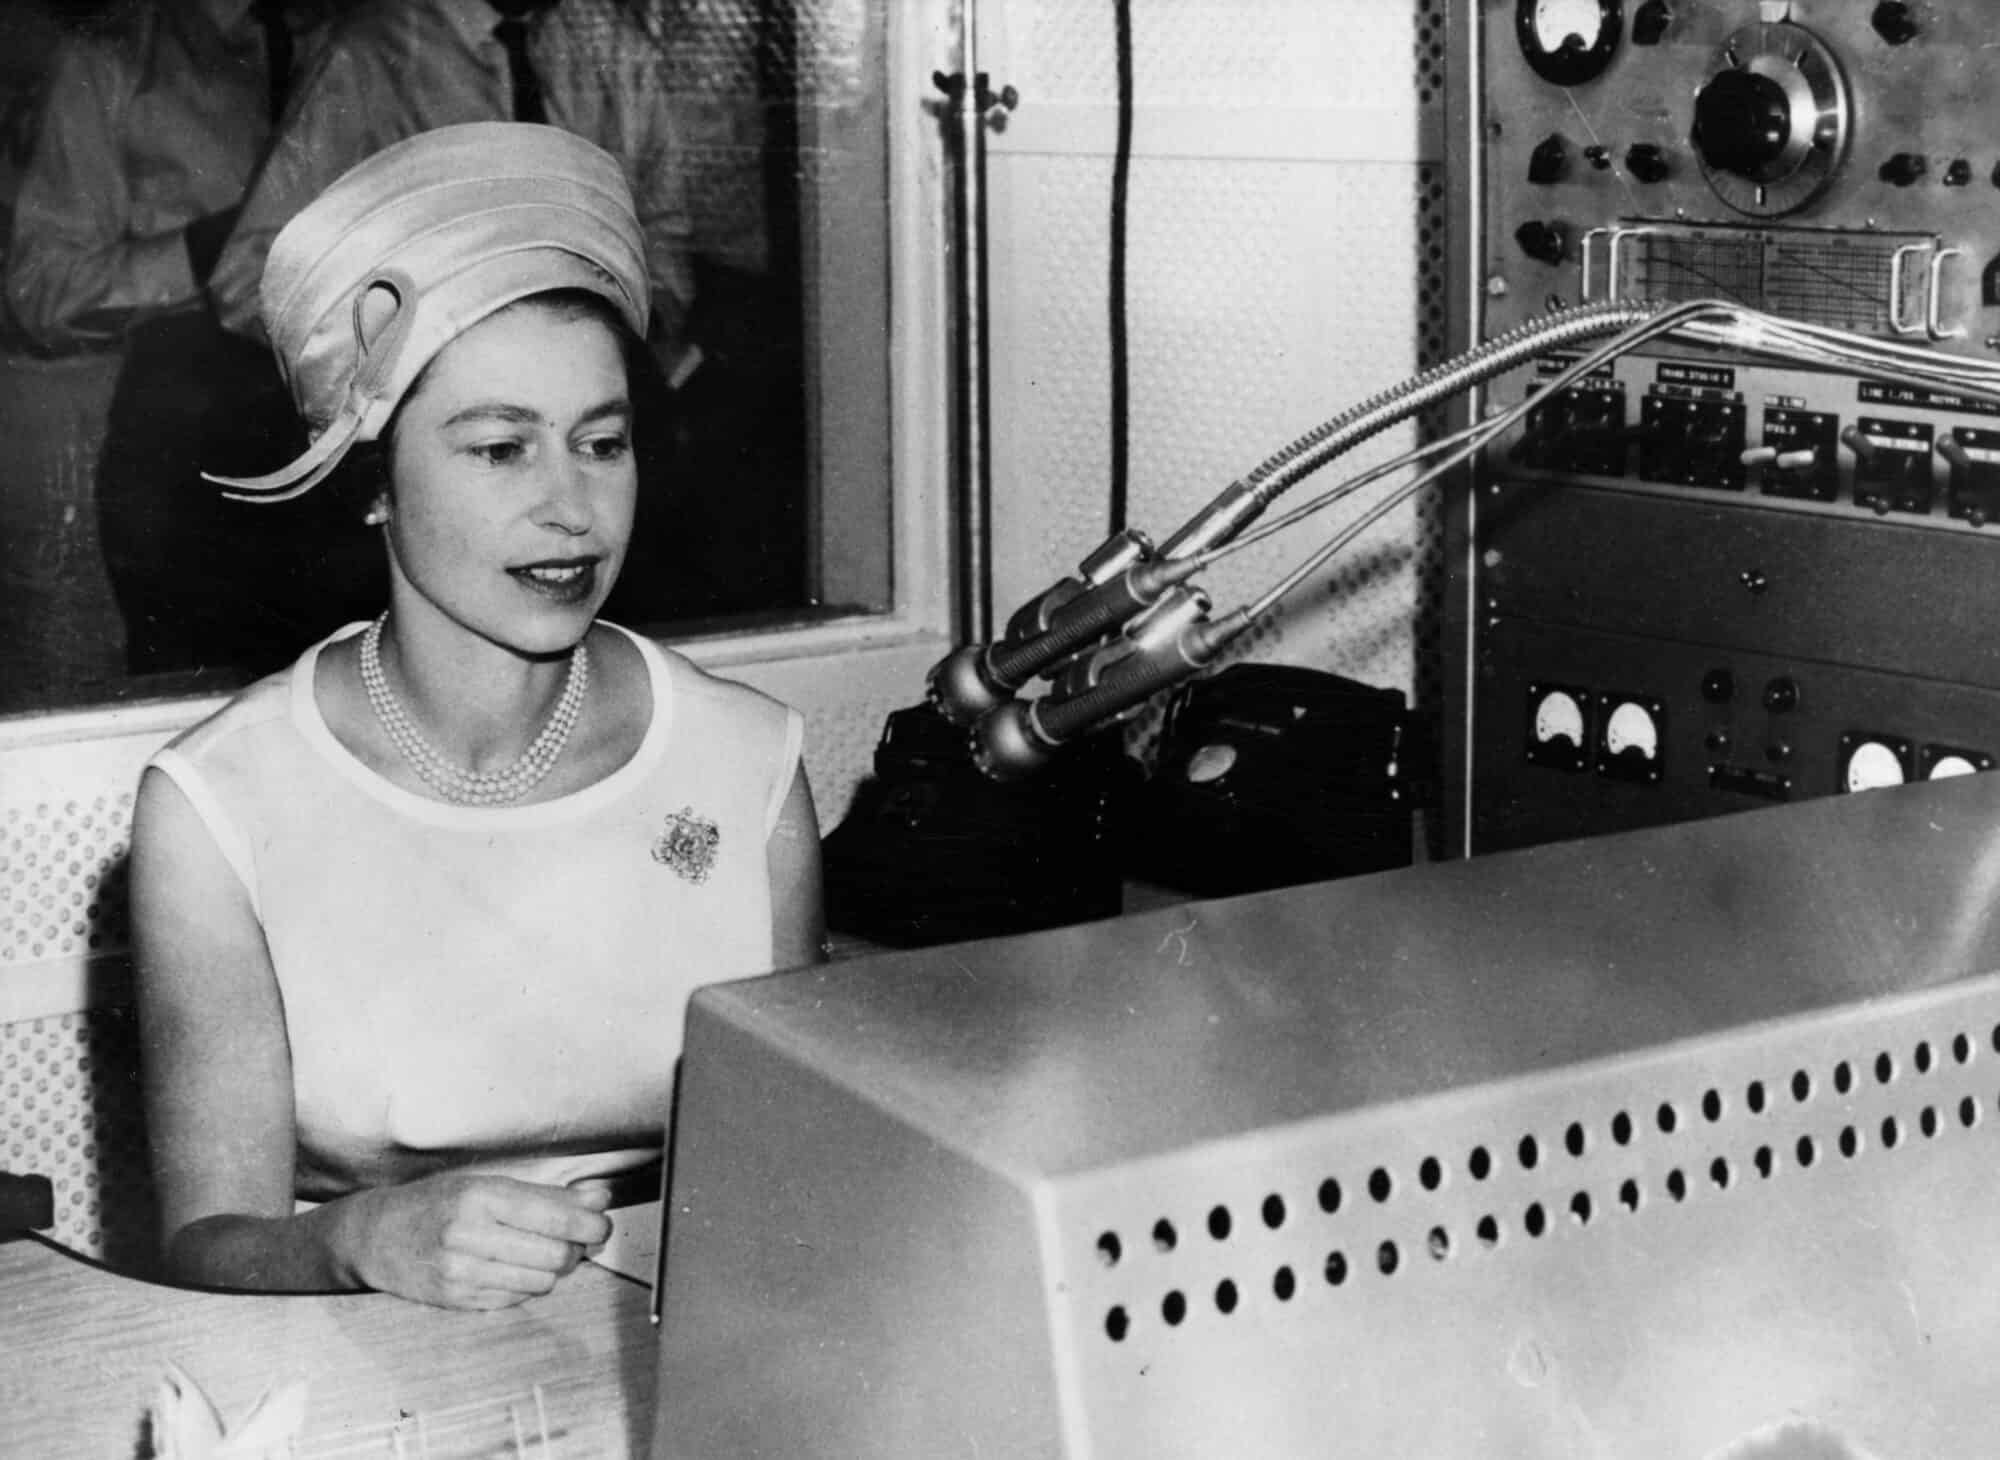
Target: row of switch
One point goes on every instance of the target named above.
(1698, 442)
(1649, 162)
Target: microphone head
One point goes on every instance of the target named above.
(962, 688)
(1006, 746)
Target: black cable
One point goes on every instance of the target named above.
(1121, 177)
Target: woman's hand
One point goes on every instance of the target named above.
(470, 1241)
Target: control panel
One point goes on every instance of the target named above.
(1690, 581)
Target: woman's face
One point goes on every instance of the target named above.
(514, 478)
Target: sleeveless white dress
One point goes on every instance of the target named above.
(495, 989)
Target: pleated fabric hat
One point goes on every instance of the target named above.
(410, 248)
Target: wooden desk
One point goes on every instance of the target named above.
(82, 1351)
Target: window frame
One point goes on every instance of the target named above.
(915, 628)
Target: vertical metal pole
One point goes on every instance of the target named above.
(976, 575)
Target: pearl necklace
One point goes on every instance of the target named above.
(451, 781)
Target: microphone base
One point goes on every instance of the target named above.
(932, 851)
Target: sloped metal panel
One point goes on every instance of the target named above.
(1643, 1145)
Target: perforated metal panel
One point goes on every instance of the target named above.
(1664, 1255)
(74, 1112)
(1673, 1144)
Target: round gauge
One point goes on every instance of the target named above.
(1559, 717)
(1872, 766)
(1632, 727)
(1568, 42)
(1948, 766)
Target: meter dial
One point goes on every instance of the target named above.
(1558, 727)
(1568, 42)
(1871, 766)
(1771, 120)
(1631, 747)
(1942, 762)
(1632, 728)
(1559, 717)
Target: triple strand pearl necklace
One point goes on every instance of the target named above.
(454, 782)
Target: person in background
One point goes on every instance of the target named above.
(416, 919)
(152, 126)
(673, 89)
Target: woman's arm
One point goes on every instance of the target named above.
(798, 923)
(218, 1080)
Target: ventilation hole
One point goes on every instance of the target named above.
(1996, 1038)
(1530, 1152)
(1534, 1219)
(1927, 1122)
(1574, 1141)
(1753, 1096)
(1720, 1174)
(1922, 1057)
(1885, 1067)
(1283, 1284)
(1766, 1162)
(1479, 1163)
(1961, 1049)
(1438, 1243)
(1218, 1223)
(1580, 1209)
(1329, 1196)
(1488, 1231)
(1677, 1185)
(1968, 1112)
(1843, 1077)
(1110, 1249)
(1274, 1211)
(1165, 1238)
(1892, 1133)
(1801, 1086)
(1628, 1194)
(1711, 1106)
(1225, 1296)
(1621, 1128)
(1387, 1259)
(1173, 1309)
(1117, 1325)
(1668, 1119)
(1808, 1151)
(1381, 1185)
(1850, 1142)
(1335, 1269)
(1431, 1173)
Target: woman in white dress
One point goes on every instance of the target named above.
(417, 918)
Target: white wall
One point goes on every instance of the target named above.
(1281, 255)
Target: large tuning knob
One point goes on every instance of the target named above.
(1771, 121)
(1743, 125)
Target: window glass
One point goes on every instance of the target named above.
(141, 140)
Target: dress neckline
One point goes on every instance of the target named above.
(311, 723)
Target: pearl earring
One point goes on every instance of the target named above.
(376, 515)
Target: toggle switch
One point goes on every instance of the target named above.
(1647, 161)
(1894, 23)
(1545, 242)
(1549, 162)
(1903, 169)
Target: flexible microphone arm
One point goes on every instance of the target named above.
(1124, 575)
(1169, 637)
